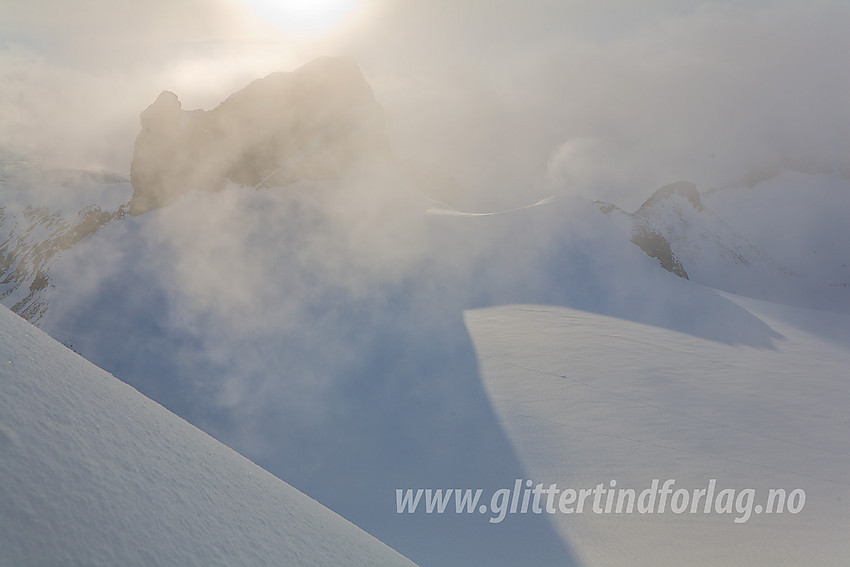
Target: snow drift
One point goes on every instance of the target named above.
(588, 398)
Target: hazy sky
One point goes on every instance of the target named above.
(606, 99)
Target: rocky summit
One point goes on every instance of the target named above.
(313, 123)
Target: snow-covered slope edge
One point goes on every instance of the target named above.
(587, 398)
(94, 473)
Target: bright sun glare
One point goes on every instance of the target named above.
(303, 16)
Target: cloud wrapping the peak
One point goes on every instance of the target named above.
(512, 100)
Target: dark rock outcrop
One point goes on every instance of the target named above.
(644, 233)
(656, 246)
(25, 258)
(647, 235)
(313, 123)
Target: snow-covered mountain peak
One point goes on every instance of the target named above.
(761, 241)
(706, 246)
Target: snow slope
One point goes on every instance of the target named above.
(586, 398)
(94, 473)
(797, 217)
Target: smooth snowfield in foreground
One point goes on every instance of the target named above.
(94, 473)
(588, 398)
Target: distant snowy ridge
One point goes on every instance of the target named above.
(42, 216)
(758, 241)
(94, 473)
(697, 236)
(321, 121)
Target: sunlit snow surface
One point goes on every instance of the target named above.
(587, 398)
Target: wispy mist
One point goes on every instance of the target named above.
(77, 74)
(604, 103)
(318, 327)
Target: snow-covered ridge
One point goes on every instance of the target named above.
(698, 237)
(94, 473)
(40, 221)
(778, 240)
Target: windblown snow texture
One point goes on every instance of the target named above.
(94, 473)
